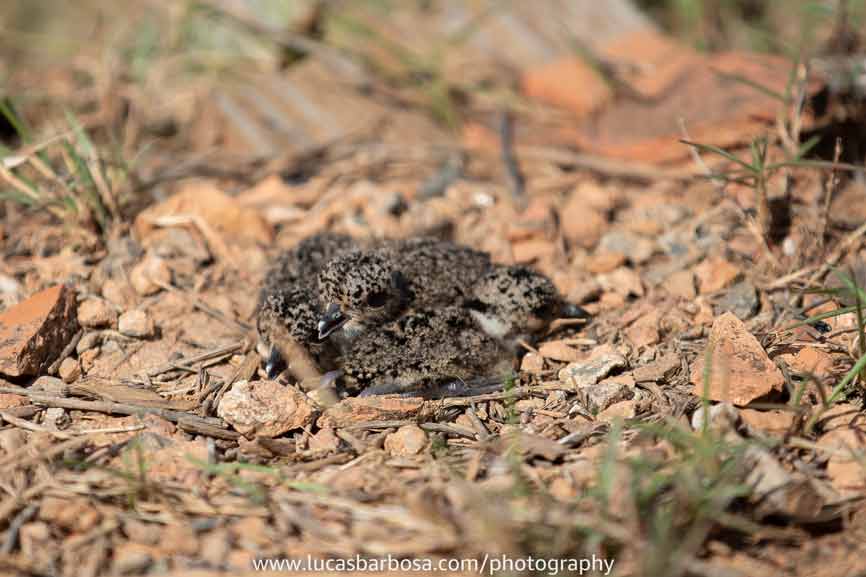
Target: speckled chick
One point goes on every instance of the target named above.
(288, 310)
(364, 289)
(514, 302)
(421, 349)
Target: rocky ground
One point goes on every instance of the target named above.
(696, 426)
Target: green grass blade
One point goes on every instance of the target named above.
(721, 152)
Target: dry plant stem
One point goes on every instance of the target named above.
(205, 423)
(830, 190)
(67, 350)
(205, 356)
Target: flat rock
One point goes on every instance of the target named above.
(657, 370)
(609, 392)
(406, 441)
(645, 330)
(265, 408)
(94, 313)
(843, 442)
(714, 274)
(590, 371)
(354, 410)
(34, 332)
(559, 351)
(203, 200)
(774, 423)
(622, 281)
(811, 361)
(135, 323)
(741, 371)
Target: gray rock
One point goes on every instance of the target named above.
(589, 372)
(740, 299)
(636, 248)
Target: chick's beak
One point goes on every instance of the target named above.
(331, 320)
(274, 364)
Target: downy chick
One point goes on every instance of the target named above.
(288, 310)
(514, 302)
(364, 289)
(419, 351)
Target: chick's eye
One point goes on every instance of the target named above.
(377, 300)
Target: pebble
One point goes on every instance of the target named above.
(135, 323)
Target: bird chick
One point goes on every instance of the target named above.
(363, 289)
(419, 351)
(513, 302)
(288, 310)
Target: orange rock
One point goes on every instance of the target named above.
(810, 361)
(645, 331)
(844, 443)
(740, 370)
(354, 410)
(559, 351)
(623, 281)
(408, 440)
(604, 262)
(650, 62)
(581, 225)
(222, 213)
(773, 422)
(34, 332)
(532, 363)
(714, 274)
(10, 401)
(532, 250)
(681, 284)
(571, 84)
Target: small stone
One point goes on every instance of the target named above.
(559, 351)
(741, 371)
(532, 250)
(69, 370)
(34, 332)
(147, 276)
(95, 313)
(774, 423)
(179, 539)
(215, 547)
(590, 371)
(51, 386)
(604, 262)
(657, 370)
(408, 440)
(265, 408)
(621, 410)
(714, 274)
(532, 363)
(681, 284)
(118, 293)
(741, 299)
(73, 514)
(645, 331)
(622, 281)
(635, 248)
(606, 393)
(580, 226)
(131, 558)
(135, 323)
(324, 440)
(811, 361)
